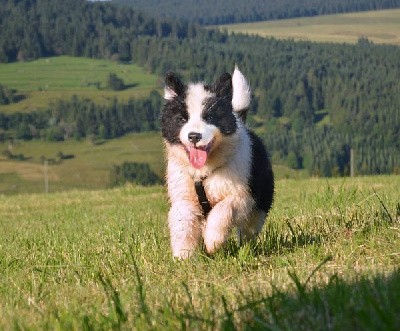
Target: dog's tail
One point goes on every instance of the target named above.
(241, 94)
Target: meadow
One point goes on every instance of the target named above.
(327, 259)
(90, 164)
(44, 80)
(380, 27)
(88, 167)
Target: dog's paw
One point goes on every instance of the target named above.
(213, 240)
(182, 255)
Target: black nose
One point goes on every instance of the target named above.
(194, 137)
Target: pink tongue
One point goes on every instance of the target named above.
(197, 157)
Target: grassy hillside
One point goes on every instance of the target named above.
(328, 258)
(47, 79)
(90, 166)
(88, 169)
(381, 27)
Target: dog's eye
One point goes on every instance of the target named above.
(182, 119)
(208, 117)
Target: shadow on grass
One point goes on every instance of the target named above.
(366, 303)
(19, 97)
(128, 86)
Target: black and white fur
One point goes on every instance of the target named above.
(206, 140)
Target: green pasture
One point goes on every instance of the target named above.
(46, 79)
(90, 166)
(380, 27)
(328, 259)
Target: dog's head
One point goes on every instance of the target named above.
(201, 117)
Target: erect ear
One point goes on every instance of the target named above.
(173, 86)
(241, 91)
(223, 86)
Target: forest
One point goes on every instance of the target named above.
(312, 102)
(79, 118)
(38, 28)
(239, 11)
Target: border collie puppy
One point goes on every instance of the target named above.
(218, 172)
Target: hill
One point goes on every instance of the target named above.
(87, 167)
(42, 81)
(87, 164)
(328, 258)
(237, 11)
(380, 27)
(313, 102)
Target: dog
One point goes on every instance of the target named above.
(218, 173)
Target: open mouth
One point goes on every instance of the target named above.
(198, 154)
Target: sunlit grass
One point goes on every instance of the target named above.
(380, 27)
(328, 258)
(46, 79)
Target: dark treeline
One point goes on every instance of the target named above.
(237, 11)
(7, 95)
(312, 102)
(132, 172)
(79, 118)
(38, 28)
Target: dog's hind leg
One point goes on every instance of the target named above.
(250, 229)
(185, 224)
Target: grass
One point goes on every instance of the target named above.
(88, 169)
(328, 258)
(380, 27)
(46, 79)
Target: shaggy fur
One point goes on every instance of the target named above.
(206, 140)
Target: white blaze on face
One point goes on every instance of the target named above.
(196, 96)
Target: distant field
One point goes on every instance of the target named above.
(46, 79)
(380, 27)
(90, 167)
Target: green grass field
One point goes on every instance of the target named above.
(88, 169)
(327, 259)
(380, 27)
(47, 79)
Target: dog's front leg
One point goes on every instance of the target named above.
(185, 224)
(226, 214)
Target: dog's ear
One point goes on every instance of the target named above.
(173, 86)
(223, 86)
(241, 91)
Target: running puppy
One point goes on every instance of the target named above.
(218, 172)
